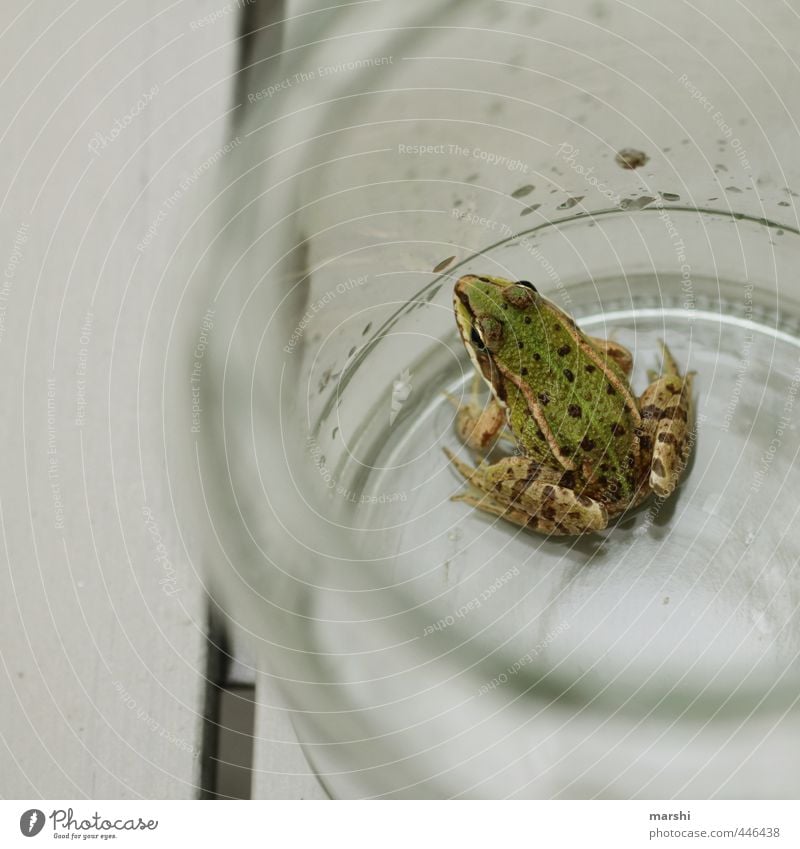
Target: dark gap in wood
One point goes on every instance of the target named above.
(217, 661)
(235, 743)
(260, 36)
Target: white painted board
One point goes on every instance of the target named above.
(111, 112)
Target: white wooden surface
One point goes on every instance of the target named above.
(102, 631)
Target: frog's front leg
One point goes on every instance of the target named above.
(478, 425)
(530, 495)
(666, 409)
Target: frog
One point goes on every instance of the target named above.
(586, 449)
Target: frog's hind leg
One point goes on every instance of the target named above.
(615, 352)
(669, 366)
(673, 441)
(530, 495)
(666, 408)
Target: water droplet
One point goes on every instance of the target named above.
(443, 264)
(570, 202)
(635, 203)
(522, 191)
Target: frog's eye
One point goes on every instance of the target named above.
(527, 284)
(476, 340)
(520, 296)
(489, 332)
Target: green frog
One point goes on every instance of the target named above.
(586, 448)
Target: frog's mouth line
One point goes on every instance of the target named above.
(480, 358)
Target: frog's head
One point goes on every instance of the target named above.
(502, 321)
